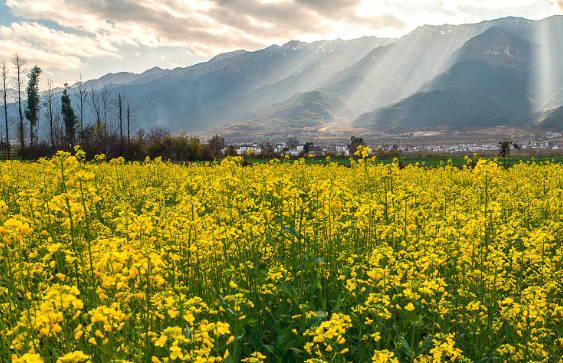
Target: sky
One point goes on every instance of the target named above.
(70, 39)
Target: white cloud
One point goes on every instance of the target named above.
(206, 26)
(59, 42)
(56, 51)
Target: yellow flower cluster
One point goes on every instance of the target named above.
(329, 336)
(284, 261)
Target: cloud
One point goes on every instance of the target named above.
(52, 49)
(61, 42)
(206, 26)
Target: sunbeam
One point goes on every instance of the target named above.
(548, 65)
(387, 75)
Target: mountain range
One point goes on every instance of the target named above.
(504, 72)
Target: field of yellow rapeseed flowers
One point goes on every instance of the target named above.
(281, 262)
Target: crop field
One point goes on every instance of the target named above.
(108, 261)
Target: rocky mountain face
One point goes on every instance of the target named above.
(487, 85)
(454, 77)
(491, 80)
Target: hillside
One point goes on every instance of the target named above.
(487, 86)
(553, 120)
(217, 92)
(306, 110)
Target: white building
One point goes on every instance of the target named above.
(253, 149)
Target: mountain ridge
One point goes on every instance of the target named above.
(437, 76)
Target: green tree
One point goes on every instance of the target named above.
(69, 117)
(33, 101)
(216, 144)
(504, 148)
(292, 142)
(307, 147)
(355, 141)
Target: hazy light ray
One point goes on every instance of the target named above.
(405, 68)
(544, 66)
(447, 57)
(386, 72)
(384, 68)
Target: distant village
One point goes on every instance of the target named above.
(293, 148)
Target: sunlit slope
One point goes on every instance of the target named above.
(418, 60)
(488, 85)
(398, 70)
(310, 109)
(214, 93)
(337, 56)
(383, 76)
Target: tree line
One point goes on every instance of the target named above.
(62, 113)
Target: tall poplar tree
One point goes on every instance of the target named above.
(33, 99)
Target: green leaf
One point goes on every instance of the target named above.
(425, 345)
(406, 347)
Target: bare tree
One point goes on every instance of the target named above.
(4, 75)
(95, 105)
(216, 144)
(128, 123)
(58, 133)
(105, 98)
(50, 110)
(120, 117)
(19, 64)
(81, 94)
